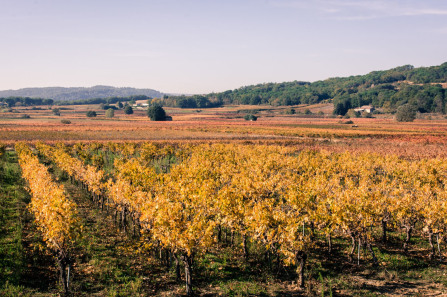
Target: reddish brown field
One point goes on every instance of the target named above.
(421, 138)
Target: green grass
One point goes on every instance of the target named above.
(13, 199)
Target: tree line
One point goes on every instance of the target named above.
(108, 100)
(195, 101)
(26, 101)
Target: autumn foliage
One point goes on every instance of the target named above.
(280, 197)
(55, 215)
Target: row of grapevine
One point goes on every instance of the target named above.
(272, 195)
(55, 215)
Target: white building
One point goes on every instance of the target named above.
(366, 108)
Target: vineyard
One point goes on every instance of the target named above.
(223, 218)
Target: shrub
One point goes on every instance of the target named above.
(367, 115)
(91, 114)
(353, 114)
(250, 117)
(107, 107)
(66, 122)
(128, 109)
(110, 113)
(56, 111)
(156, 113)
(307, 111)
(291, 111)
(406, 113)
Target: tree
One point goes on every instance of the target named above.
(156, 113)
(406, 113)
(91, 114)
(10, 102)
(110, 113)
(120, 105)
(154, 101)
(128, 109)
(341, 108)
(47, 101)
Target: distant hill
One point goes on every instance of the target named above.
(60, 93)
(422, 87)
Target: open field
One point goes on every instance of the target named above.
(216, 123)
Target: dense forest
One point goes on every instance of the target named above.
(389, 89)
(67, 94)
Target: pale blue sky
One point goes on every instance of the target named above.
(200, 46)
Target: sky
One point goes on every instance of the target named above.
(202, 46)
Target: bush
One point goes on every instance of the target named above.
(110, 113)
(91, 114)
(405, 113)
(250, 117)
(66, 122)
(367, 115)
(307, 111)
(25, 116)
(353, 114)
(56, 111)
(128, 109)
(107, 107)
(156, 113)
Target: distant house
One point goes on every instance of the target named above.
(365, 108)
(140, 105)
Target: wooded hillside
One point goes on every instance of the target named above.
(423, 87)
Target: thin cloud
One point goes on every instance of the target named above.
(426, 12)
(366, 10)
